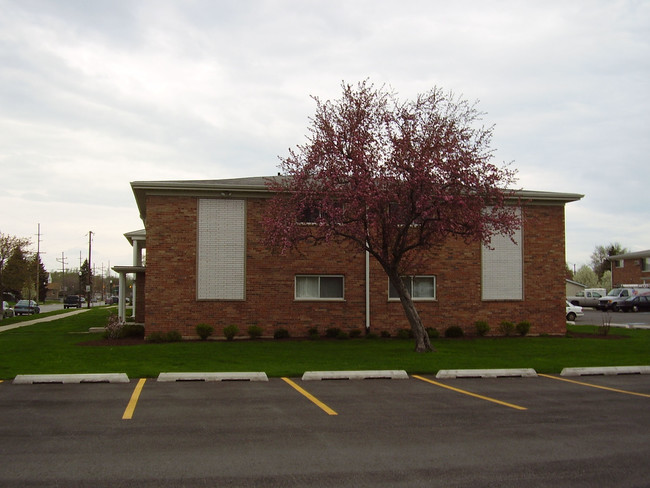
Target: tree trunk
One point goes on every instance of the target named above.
(422, 342)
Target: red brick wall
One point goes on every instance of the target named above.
(631, 273)
(171, 279)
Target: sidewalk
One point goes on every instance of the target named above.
(44, 319)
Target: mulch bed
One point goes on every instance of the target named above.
(138, 341)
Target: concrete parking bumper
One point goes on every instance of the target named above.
(355, 375)
(486, 373)
(230, 376)
(605, 370)
(30, 379)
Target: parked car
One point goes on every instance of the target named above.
(26, 307)
(72, 301)
(112, 300)
(573, 311)
(639, 303)
(7, 311)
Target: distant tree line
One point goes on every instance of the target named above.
(599, 274)
(21, 272)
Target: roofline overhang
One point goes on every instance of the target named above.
(257, 187)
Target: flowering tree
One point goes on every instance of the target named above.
(393, 177)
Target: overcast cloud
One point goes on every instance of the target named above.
(95, 94)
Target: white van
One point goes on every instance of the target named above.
(620, 294)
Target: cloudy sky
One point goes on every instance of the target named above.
(95, 94)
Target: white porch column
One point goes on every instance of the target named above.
(121, 308)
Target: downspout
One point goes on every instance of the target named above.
(367, 291)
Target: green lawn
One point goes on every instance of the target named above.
(54, 348)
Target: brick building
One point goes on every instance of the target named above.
(206, 263)
(631, 268)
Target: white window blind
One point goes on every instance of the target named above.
(221, 258)
(502, 268)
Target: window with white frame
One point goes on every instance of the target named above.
(419, 287)
(319, 287)
(619, 263)
(645, 264)
(502, 268)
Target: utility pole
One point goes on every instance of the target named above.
(90, 274)
(38, 262)
(62, 261)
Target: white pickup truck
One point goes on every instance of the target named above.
(588, 298)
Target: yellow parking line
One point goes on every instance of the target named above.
(594, 386)
(311, 397)
(464, 392)
(128, 413)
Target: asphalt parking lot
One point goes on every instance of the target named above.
(544, 431)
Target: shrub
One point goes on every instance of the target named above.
(454, 331)
(523, 327)
(332, 332)
(113, 327)
(404, 334)
(433, 333)
(230, 332)
(313, 333)
(133, 330)
(355, 333)
(482, 327)
(156, 337)
(254, 331)
(506, 328)
(204, 331)
(281, 334)
(173, 336)
(342, 335)
(372, 335)
(385, 334)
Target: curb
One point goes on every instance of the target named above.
(486, 373)
(31, 379)
(355, 375)
(605, 370)
(171, 377)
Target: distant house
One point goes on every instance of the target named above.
(206, 263)
(631, 268)
(573, 288)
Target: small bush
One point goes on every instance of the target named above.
(355, 333)
(313, 334)
(159, 337)
(372, 335)
(454, 331)
(482, 327)
(173, 336)
(281, 334)
(156, 337)
(133, 330)
(433, 333)
(254, 331)
(204, 331)
(332, 332)
(342, 335)
(506, 328)
(230, 332)
(523, 327)
(404, 334)
(113, 327)
(385, 334)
